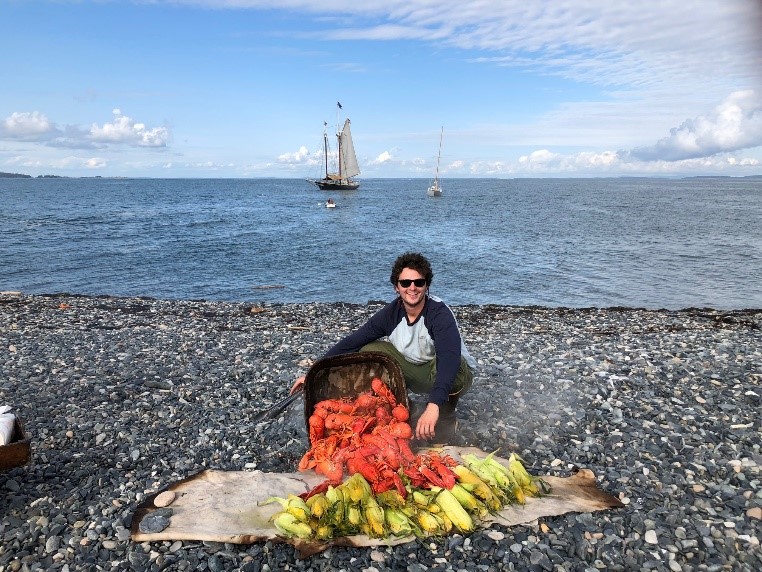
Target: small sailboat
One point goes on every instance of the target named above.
(435, 189)
(347, 167)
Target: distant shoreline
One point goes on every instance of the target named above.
(25, 176)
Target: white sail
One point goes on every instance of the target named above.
(349, 167)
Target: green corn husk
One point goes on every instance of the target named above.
(287, 523)
(294, 505)
(318, 505)
(390, 499)
(355, 488)
(353, 515)
(398, 522)
(513, 481)
(336, 507)
(374, 516)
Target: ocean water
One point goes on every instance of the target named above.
(649, 243)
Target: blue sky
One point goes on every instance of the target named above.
(202, 88)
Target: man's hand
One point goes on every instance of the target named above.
(424, 429)
(297, 385)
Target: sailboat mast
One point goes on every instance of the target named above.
(325, 146)
(439, 155)
(338, 140)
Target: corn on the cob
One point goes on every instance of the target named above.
(353, 515)
(318, 505)
(390, 499)
(453, 509)
(290, 526)
(433, 507)
(428, 522)
(503, 476)
(374, 516)
(491, 473)
(354, 489)
(420, 498)
(336, 508)
(519, 495)
(516, 467)
(530, 485)
(480, 489)
(447, 524)
(469, 501)
(293, 505)
(399, 524)
(323, 531)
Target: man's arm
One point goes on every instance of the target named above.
(444, 332)
(377, 326)
(371, 330)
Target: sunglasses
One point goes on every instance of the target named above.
(420, 282)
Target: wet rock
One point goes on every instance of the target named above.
(153, 523)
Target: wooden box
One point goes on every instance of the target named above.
(19, 451)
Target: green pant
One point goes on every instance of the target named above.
(419, 378)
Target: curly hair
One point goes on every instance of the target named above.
(415, 261)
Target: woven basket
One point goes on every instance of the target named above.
(349, 375)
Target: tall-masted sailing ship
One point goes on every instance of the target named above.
(341, 178)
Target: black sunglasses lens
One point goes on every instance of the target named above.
(419, 282)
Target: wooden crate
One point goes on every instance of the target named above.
(19, 451)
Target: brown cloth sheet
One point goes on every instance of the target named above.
(224, 506)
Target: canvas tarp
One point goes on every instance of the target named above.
(225, 506)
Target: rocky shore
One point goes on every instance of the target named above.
(122, 396)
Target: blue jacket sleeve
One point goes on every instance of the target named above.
(444, 331)
(378, 325)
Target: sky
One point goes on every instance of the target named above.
(242, 88)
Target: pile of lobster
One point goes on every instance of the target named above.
(370, 435)
(391, 490)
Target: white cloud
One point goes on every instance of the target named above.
(297, 158)
(544, 162)
(539, 159)
(384, 157)
(95, 163)
(127, 131)
(733, 125)
(27, 126)
(35, 127)
(210, 165)
(591, 41)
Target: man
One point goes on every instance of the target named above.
(423, 337)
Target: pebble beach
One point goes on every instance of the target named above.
(124, 396)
